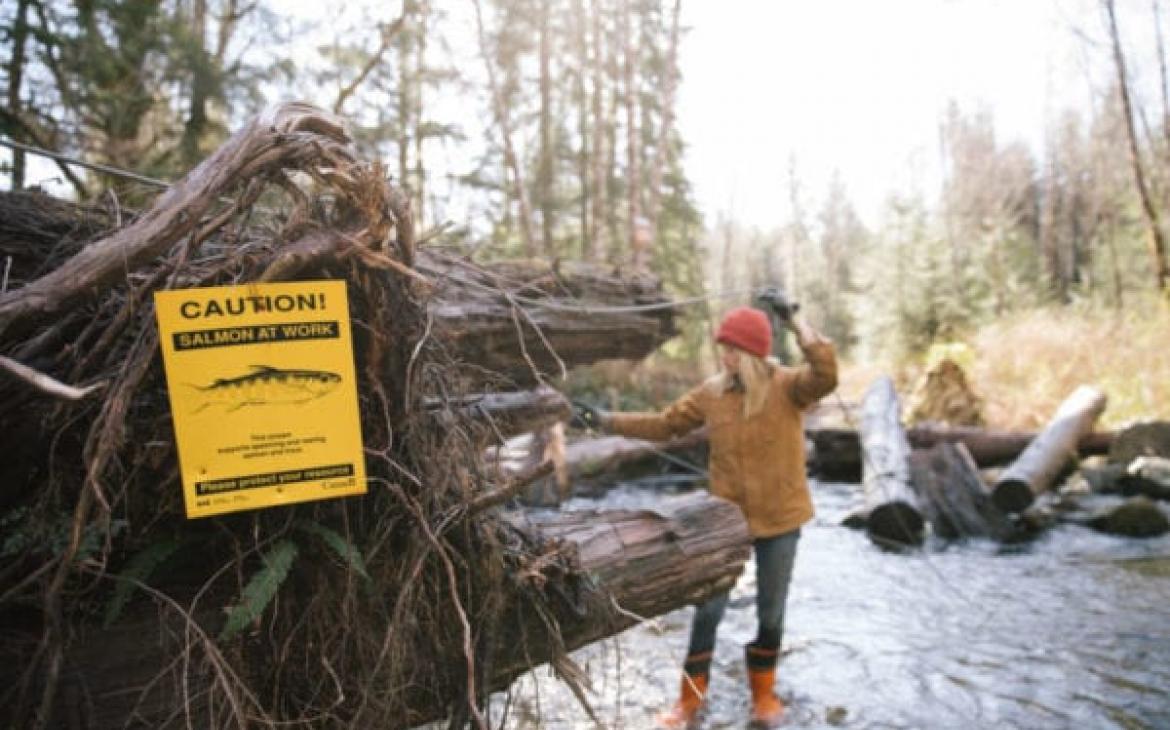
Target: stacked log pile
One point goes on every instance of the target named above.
(387, 610)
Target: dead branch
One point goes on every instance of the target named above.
(46, 384)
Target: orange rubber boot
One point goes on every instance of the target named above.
(767, 709)
(685, 712)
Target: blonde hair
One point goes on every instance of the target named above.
(755, 373)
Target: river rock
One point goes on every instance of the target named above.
(1136, 517)
(1150, 438)
(1147, 475)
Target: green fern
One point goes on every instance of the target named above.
(261, 589)
(346, 550)
(138, 570)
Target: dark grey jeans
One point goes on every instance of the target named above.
(774, 559)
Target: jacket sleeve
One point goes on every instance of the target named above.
(817, 377)
(684, 415)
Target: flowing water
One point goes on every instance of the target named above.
(1070, 631)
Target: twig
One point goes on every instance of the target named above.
(511, 488)
(381, 261)
(47, 384)
(434, 233)
(453, 583)
(116, 172)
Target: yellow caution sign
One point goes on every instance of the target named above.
(263, 394)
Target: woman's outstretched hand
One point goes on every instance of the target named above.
(587, 417)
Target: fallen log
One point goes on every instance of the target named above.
(593, 465)
(685, 550)
(954, 499)
(509, 414)
(643, 562)
(837, 451)
(1051, 453)
(528, 320)
(894, 515)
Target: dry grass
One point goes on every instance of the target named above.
(1026, 364)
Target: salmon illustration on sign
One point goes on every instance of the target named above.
(267, 385)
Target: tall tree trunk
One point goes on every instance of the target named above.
(15, 80)
(639, 248)
(388, 34)
(798, 237)
(511, 159)
(406, 79)
(1163, 82)
(420, 66)
(1049, 241)
(598, 226)
(1155, 238)
(544, 172)
(662, 145)
(44, 138)
(201, 87)
(581, 45)
(1115, 264)
(948, 216)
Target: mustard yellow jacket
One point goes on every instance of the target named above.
(756, 462)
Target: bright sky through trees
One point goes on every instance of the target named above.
(859, 87)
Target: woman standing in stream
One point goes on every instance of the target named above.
(753, 410)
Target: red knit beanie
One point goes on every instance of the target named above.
(748, 329)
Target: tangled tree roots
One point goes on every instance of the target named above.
(362, 612)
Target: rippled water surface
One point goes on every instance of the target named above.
(1071, 631)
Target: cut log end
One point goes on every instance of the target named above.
(896, 523)
(1013, 495)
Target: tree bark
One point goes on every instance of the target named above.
(1050, 453)
(894, 515)
(1154, 235)
(19, 38)
(953, 496)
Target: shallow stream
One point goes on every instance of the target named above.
(1070, 631)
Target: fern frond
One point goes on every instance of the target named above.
(261, 589)
(137, 570)
(345, 549)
